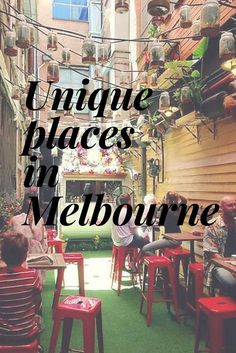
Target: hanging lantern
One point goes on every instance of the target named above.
(15, 93)
(157, 55)
(52, 41)
(10, 44)
(144, 79)
(185, 95)
(65, 55)
(210, 18)
(196, 30)
(227, 51)
(185, 17)
(164, 101)
(53, 71)
(158, 7)
(22, 33)
(103, 53)
(154, 80)
(88, 52)
(122, 6)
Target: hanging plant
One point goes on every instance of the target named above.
(157, 55)
(65, 54)
(154, 31)
(52, 41)
(196, 30)
(210, 18)
(103, 53)
(53, 71)
(88, 52)
(23, 35)
(185, 17)
(10, 48)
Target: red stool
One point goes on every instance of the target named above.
(176, 255)
(151, 264)
(26, 348)
(216, 309)
(83, 308)
(194, 288)
(54, 244)
(78, 258)
(119, 254)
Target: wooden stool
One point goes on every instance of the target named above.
(151, 264)
(25, 348)
(194, 288)
(119, 254)
(77, 258)
(216, 309)
(178, 255)
(81, 308)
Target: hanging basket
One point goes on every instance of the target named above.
(65, 54)
(88, 52)
(23, 35)
(52, 41)
(53, 71)
(210, 19)
(103, 53)
(158, 7)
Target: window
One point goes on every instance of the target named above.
(74, 10)
(72, 79)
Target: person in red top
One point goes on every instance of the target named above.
(20, 293)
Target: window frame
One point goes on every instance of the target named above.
(70, 6)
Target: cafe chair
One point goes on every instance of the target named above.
(119, 255)
(194, 288)
(165, 265)
(216, 310)
(178, 255)
(32, 347)
(74, 307)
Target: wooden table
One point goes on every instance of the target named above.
(57, 264)
(226, 264)
(186, 236)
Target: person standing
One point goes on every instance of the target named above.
(219, 241)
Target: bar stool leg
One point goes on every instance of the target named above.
(81, 278)
(216, 335)
(151, 277)
(54, 336)
(99, 332)
(88, 335)
(66, 335)
(143, 287)
(198, 330)
(121, 260)
(172, 279)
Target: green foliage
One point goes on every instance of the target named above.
(201, 49)
(89, 245)
(10, 205)
(153, 31)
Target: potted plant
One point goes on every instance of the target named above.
(103, 53)
(88, 52)
(53, 71)
(65, 56)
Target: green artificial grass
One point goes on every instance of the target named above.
(124, 328)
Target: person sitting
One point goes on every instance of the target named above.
(219, 242)
(127, 234)
(20, 293)
(170, 225)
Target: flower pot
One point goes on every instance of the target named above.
(23, 36)
(65, 56)
(88, 52)
(185, 95)
(121, 6)
(157, 55)
(164, 101)
(227, 49)
(103, 54)
(158, 7)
